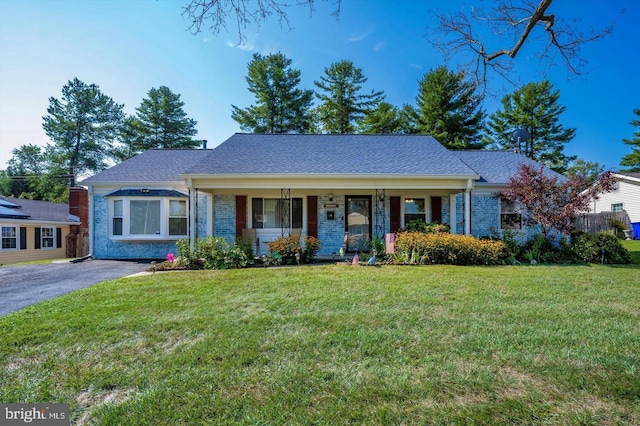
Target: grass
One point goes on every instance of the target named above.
(633, 246)
(335, 345)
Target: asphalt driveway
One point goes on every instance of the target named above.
(24, 285)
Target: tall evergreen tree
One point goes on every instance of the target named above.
(533, 107)
(632, 160)
(384, 119)
(448, 109)
(160, 122)
(281, 107)
(342, 102)
(82, 126)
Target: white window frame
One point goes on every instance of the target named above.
(44, 237)
(16, 232)
(614, 207)
(516, 211)
(163, 234)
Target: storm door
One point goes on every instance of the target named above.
(358, 223)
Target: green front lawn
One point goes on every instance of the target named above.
(633, 246)
(336, 344)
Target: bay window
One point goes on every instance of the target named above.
(148, 218)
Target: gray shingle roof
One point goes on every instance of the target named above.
(40, 210)
(155, 165)
(497, 166)
(330, 154)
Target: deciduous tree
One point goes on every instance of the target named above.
(281, 107)
(82, 125)
(551, 200)
(533, 107)
(342, 101)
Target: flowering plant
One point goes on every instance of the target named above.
(171, 257)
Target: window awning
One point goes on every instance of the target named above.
(147, 193)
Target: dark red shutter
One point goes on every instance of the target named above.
(36, 240)
(241, 214)
(312, 216)
(394, 214)
(436, 209)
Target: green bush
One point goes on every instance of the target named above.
(451, 249)
(599, 247)
(289, 250)
(214, 253)
(419, 225)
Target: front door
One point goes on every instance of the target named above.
(358, 223)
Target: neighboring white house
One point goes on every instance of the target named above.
(625, 197)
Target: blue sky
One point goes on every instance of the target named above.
(128, 47)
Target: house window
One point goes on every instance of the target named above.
(414, 208)
(148, 217)
(271, 212)
(177, 217)
(144, 217)
(9, 238)
(510, 218)
(117, 217)
(47, 238)
(617, 207)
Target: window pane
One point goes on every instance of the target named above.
(272, 213)
(145, 217)
(618, 207)
(178, 208)
(296, 212)
(117, 208)
(507, 206)
(117, 226)
(46, 235)
(414, 205)
(510, 221)
(256, 213)
(9, 237)
(177, 226)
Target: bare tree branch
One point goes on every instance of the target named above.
(513, 23)
(215, 14)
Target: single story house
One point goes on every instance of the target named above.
(34, 230)
(342, 189)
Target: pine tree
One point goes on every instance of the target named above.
(632, 160)
(343, 104)
(533, 107)
(281, 107)
(384, 119)
(160, 122)
(82, 126)
(449, 109)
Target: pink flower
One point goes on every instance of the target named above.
(171, 257)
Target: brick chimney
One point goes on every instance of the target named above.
(79, 205)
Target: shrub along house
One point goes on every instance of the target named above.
(38, 230)
(342, 189)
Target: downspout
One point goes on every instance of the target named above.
(467, 207)
(91, 225)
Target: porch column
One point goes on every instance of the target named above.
(467, 208)
(192, 215)
(453, 220)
